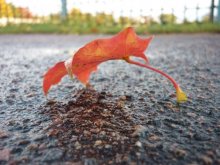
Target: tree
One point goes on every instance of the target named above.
(167, 19)
(206, 18)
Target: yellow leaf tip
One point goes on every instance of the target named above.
(180, 95)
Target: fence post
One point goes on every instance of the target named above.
(212, 10)
(218, 16)
(161, 11)
(173, 16)
(64, 10)
(197, 13)
(184, 14)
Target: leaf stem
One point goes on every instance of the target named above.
(176, 86)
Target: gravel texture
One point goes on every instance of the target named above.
(128, 116)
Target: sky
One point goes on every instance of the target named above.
(119, 7)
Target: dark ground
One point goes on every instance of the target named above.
(130, 118)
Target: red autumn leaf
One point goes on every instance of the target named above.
(121, 46)
(53, 76)
(86, 59)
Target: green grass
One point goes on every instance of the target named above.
(86, 28)
(185, 28)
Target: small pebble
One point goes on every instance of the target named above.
(138, 144)
(96, 130)
(139, 130)
(179, 153)
(23, 142)
(108, 146)
(74, 138)
(42, 147)
(53, 154)
(77, 145)
(113, 134)
(206, 160)
(4, 155)
(86, 133)
(191, 114)
(154, 137)
(123, 98)
(32, 147)
(98, 142)
(103, 133)
(3, 134)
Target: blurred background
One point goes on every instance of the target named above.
(109, 16)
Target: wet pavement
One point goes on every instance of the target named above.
(130, 117)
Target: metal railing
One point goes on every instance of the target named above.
(10, 14)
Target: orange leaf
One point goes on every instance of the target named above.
(86, 59)
(53, 76)
(121, 46)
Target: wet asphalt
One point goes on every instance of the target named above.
(173, 134)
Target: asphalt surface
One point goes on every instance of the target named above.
(144, 123)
